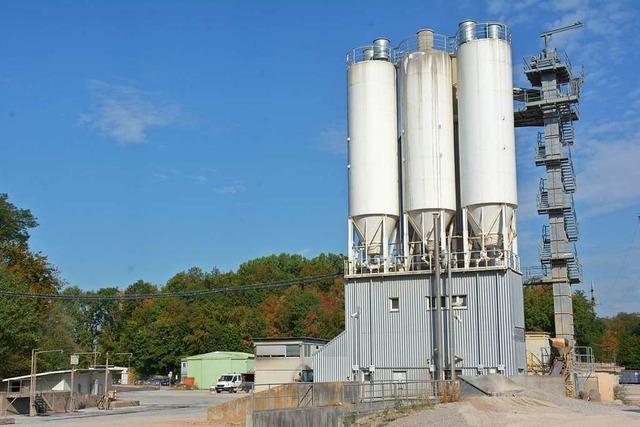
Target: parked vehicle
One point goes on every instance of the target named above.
(228, 382)
(630, 377)
(247, 383)
(161, 381)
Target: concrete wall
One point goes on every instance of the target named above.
(58, 402)
(327, 416)
(599, 386)
(551, 385)
(282, 397)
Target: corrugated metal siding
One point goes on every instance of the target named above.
(332, 362)
(484, 333)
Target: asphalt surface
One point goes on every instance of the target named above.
(162, 407)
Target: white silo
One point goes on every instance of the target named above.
(486, 143)
(426, 111)
(373, 158)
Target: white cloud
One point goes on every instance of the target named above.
(607, 35)
(231, 189)
(126, 113)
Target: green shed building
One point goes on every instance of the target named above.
(206, 368)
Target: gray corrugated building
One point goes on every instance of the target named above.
(488, 327)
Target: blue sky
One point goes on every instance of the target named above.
(151, 136)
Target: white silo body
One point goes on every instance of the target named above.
(487, 154)
(426, 111)
(373, 156)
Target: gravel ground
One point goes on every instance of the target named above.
(157, 408)
(526, 409)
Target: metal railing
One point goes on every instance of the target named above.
(449, 44)
(354, 398)
(483, 30)
(363, 398)
(487, 259)
(543, 202)
(564, 93)
(412, 44)
(283, 395)
(574, 267)
(535, 274)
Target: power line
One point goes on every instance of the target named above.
(180, 294)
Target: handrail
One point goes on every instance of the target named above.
(412, 44)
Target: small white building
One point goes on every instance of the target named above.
(86, 381)
(285, 360)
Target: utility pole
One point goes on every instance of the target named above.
(73, 371)
(32, 384)
(106, 379)
(438, 286)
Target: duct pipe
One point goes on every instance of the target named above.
(438, 285)
(450, 338)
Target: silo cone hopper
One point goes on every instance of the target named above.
(491, 232)
(421, 236)
(375, 234)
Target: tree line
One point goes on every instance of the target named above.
(159, 331)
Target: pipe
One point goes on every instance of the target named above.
(438, 285)
(451, 349)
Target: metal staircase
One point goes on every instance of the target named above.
(543, 197)
(568, 174)
(545, 245)
(571, 224)
(40, 404)
(574, 268)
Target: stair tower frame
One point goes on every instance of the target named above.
(551, 103)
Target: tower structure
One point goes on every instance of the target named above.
(551, 103)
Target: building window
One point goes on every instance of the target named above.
(459, 302)
(399, 376)
(293, 350)
(431, 303)
(394, 304)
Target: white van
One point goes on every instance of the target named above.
(227, 382)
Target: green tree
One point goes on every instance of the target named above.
(27, 323)
(538, 311)
(14, 222)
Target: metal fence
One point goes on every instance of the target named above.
(284, 395)
(364, 398)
